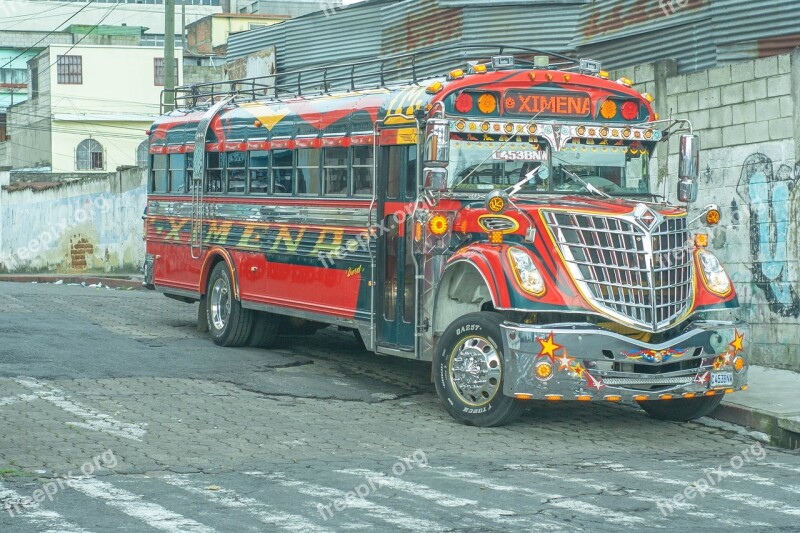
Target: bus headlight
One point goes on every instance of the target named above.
(525, 271)
(714, 275)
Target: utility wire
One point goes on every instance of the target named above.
(31, 47)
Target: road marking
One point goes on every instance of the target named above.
(641, 495)
(8, 400)
(380, 512)
(29, 510)
(439, 498)
(132, 505)
(554, 500)
(740, 497)
(92, 419)
(790, 468)
(232, 500)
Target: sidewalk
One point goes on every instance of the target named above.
(122, 281)
(770, 405)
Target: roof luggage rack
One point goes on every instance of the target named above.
(370, 73)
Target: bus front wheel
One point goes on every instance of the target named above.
(468, 372)
(229, 324)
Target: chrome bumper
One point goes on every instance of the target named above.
(585, 362)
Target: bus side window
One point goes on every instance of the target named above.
(236, 171)
(214, 172)
(259, 172)
(177, 173)
(363, 179)
(160, 173)
(411, 172)
(308, 171)
(394, 171)
(189, 168)
(282, 163)
(335, 169)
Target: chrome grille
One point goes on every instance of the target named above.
(498, 223)
(635, 275)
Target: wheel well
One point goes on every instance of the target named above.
(462, 290)
(212, 263)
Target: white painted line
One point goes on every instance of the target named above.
(232, 500)
(554, 500)
(739, 497)
(439, 498)
(132, 505)
(326, 494)
(790, 468)
(8, 400)
(92, 419)
(642, 496)
(30, 511)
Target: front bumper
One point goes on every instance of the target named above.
(585, 362)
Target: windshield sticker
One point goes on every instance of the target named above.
(519, 155)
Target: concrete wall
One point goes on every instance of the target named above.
(748, 116)
(91, 225)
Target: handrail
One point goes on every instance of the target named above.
(323, 79)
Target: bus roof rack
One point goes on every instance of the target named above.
(369, 73)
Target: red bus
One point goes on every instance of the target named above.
(499, 221)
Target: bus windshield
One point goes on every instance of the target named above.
(615, 170)
(487, 165)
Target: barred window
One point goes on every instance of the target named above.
(70, 70)
(89, 155)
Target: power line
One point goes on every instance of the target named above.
(48, 35)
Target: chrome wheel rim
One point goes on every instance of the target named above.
(220, 304)
(475, 371)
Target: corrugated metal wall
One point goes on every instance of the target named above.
(697, 33)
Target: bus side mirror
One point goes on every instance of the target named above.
(435, 179)
(689, 168)
(437, 143)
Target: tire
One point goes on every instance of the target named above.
(228, 323)
(265, 330)
(474, 339)
(683, 409)
(359, 340)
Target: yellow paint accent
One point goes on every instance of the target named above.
(407, 136)
(285, 236)
(335, 243)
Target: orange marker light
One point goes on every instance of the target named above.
(456, 74)
(666, 397)
(438, 225)
(584, 398)
(553, 397)
(418, 231)
(521, 396)
(738, 364)
(701, 240)
(641, 398)
(487, 103)
(730, 391)
(613, 398)
(711, 393)
(434, 88)
(479, 69)
(713, 217)
(608, 109)
(689, 395)
(496, 237)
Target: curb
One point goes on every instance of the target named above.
(112, 282)
(783, 432)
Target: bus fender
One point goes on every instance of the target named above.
(214, 255)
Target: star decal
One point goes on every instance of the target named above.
(719, 363)
(565, 361)
(738, 343)
(578, 370)
(727, 358)
(702, 379)
(549, 347)
(594, 383)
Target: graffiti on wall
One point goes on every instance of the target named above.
(769, 195)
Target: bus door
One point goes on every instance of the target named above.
(396, 285)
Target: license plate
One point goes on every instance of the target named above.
(722, 379)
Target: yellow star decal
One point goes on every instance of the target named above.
(565, 361)
(719, 363)
(738, 343)
(549, 347)
(579, 370)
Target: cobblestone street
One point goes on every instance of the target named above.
(317, 435)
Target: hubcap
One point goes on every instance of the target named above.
(475, 371)
(220, 304)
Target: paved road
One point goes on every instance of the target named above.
(123, 417)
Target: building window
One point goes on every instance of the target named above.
(158, 71)
(89, 155)
(143, 154)
(70, 70)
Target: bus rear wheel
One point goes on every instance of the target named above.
(682, 409)
(229, 324)
(468, 372)
(265, 330)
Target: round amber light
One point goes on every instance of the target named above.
(713, 217)
(738, 364)
(544, 370)
(487, 103)
(438, 225)
(608, 109)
